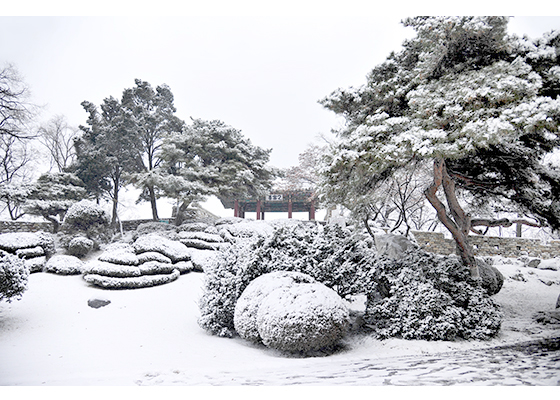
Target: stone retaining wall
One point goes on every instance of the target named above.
(435, 242)
(24, 226)
(27, 226)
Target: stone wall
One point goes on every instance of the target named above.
(24, 226)
(435, 242)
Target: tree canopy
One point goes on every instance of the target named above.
(481, 104)
(212, 158)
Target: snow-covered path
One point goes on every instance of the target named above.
(524, 364)
(151, 337)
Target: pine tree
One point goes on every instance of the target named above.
(151, 113)
(481, 105)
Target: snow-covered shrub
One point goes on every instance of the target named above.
(173, 249)
(247, 306)
(35, 264)
(161, 228)
(13, 276)
(121, 257)
(79, 246)
(86, 218)
(98, 267)
(331, 255)
(138, 282)
(302, 318)
(84, 215)
(64, 265)
(14, 241)
(426, 296)
(153, 256)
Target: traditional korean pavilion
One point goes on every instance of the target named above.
(290, 202)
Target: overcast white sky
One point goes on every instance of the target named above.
(260, 71)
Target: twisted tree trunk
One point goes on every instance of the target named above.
(458, 223)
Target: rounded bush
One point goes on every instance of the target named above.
(85, 215)
(247, 306)
(80, 246)
(64, 265)
(302, 318)
(13, 276)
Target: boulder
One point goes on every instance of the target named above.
(302, 318)
(558, 302)
(247, 306)
(392, 246)
(98, 303)
(492, 278)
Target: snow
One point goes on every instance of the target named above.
(150, 336)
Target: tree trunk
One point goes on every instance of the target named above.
(459, 224)
(152, 193)
(115, 199)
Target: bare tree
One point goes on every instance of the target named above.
(15, 110)
(58, 137)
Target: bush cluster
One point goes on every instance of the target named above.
(88, 220)
(431, 297)
(331, 255)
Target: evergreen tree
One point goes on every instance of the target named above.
(52, 195)
(481, 105)
(107, 151)
(212, 158)
(151, 114)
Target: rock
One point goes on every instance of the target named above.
(492, 278)
(302, 318)
(558, 302)
(247, 306)
(64, 265)
(547, 317)
(551, 264)
(98, 303)
(392, 246)
(534, 263)
(175, 250)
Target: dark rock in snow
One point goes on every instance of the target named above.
(98, 303)
(558, 302)
(492, 278)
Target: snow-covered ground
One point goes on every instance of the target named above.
(151, 337)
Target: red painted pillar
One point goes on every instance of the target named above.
(312, 211)
(290, 207)
(258, 209)
(236, 208)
